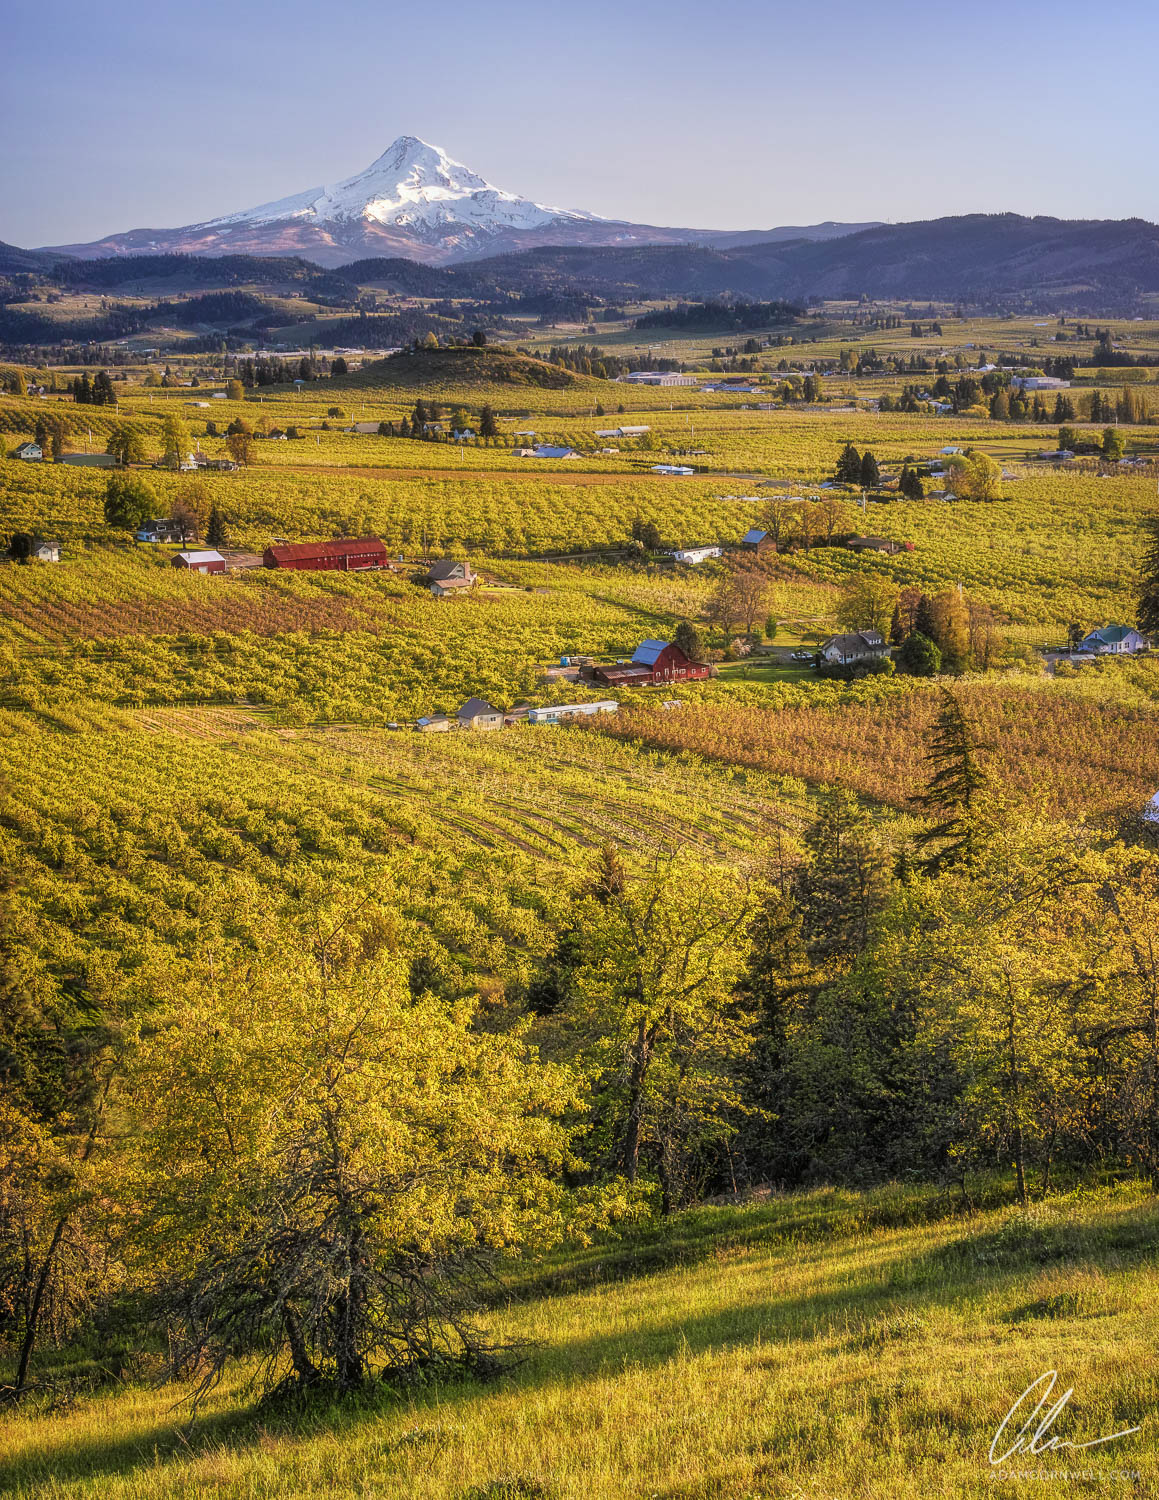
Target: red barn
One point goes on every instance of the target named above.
(346, 555)
(653, 663)
(200, 562)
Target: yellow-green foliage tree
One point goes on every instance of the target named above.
(324, 1160)
(868, 603)
(650, 1009)
(974, 475)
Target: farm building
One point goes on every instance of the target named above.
(756, 540)
(653, 662)
(1117, 640)
(860, 645)
(29, 452)
(160, 530)
(207, 561)
(1151, 811)
(25, 547)
(671, 469)
(450, 577)
(89, 460)
(559, 711)
(477, 713)
(656, 377)
(346, 555)
(436, 724)
(878, 544)
(694, 555)
(549, 450)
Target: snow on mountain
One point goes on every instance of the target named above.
(414, 201)
(413, 185)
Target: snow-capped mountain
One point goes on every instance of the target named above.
(413, 201)
(416, 186)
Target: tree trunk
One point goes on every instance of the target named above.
(304, 1367)
(630, 1152)
(1016, 1108)
(1153, 1122)
(35, 1306)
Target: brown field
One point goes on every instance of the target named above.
(1058, 754)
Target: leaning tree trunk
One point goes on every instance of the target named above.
(641, 1056)
(35, 1306)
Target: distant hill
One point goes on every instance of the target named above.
(975, 257)
(14, 262)
(981, 258)
(460, 367)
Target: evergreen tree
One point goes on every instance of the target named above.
(215, 528)
(955, 792)
(870, 476)
(919, 656)
(844, 883)
(776, 977)
(687, 637)
(848, 469)
(1147, 614)
(488, 427)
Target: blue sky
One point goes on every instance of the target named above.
(739, 115)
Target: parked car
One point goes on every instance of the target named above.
(802, 656)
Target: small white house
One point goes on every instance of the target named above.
(29, 452)
(694, 555)
(860, 645)
(1151, 811)
(47, 552)
(1117, 640)
(559, 711)
(477, 713)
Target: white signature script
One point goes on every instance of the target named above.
(1032, 1435)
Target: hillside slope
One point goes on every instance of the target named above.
(826, 1343)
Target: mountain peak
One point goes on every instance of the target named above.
(414, 185)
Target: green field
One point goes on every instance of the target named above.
(894, 1123)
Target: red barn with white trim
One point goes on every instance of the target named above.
(653, 663)
(346, 555)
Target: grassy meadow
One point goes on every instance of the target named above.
(830, 1343)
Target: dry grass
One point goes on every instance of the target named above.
(827, 1344)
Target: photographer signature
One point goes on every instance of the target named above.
(1032, 1435)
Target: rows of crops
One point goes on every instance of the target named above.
(1059, 753)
